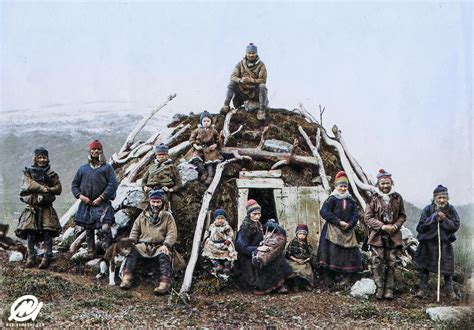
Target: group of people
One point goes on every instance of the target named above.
(257, 254)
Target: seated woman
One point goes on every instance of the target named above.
(259, 277)
(338, 249)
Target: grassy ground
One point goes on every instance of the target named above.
(76, 298)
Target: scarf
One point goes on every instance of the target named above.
(338, 195)
(154, 218)
(40, 174)
(252, 64)
(385, 197)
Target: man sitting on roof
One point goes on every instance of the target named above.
(247, 82)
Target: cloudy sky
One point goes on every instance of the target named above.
(395, 77)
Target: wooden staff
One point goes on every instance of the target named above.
(439, 264)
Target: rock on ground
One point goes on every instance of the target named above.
(15, 256)
(363, 288)
(449, 313)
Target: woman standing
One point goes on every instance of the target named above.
(39, 220)
(252, 276)
(338, 249)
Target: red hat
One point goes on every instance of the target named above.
(341, 178)
(95, 145)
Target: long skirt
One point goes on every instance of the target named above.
(337, 258)
(266, 279)
(426, 257)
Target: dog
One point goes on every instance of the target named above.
(116, 253)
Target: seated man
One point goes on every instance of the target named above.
(155, 233)
(247, 82)
(162, 174)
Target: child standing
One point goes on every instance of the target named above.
(219, 246)
(204, 142)
(299, 255)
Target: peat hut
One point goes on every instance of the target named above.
(286, 162)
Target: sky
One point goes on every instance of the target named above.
(395, 77)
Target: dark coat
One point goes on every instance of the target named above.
(265, 279)
(374, 219)
(39, 214)
(95, 182)
(426, 257)
(333, 256)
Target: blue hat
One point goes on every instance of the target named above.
(203, 115)
(251, 48)
(440, 190)
(219, 212)
(157, 194)
(41, 151)
(161, 149)
(382, 174)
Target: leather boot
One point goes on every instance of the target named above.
(126, 282)
(163, 287)
(90, 240)
(423, 290)
(379, 282)
(225, 110)
(210, 173)
(448, 287)
(261, 114)
(30, 262)
(389, 283)
(200, 169)
(45, 262)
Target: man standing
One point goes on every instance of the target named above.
(95, 185)
(247, 82)
(438, 213)
(384, 215)
(155, 233)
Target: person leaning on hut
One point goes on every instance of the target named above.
(162, 174)
(338, 250)
(251, 276)
(440, 213)
(95, 185)
(204, 152)
(39, 220)
(155, 233)
(248, 82)
(384, 216)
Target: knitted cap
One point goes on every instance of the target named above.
(219, 212)
(301, 228)
(251, 48)
(156, 194)
(341, 178)
(204, 114)
(95, 145)
(382, 174)
(161, 149)
(440, 190)
(41, 151)
(252, 205)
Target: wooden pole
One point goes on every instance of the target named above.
(439, 265)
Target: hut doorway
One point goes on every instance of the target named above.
(290, 206)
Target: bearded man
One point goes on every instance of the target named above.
(247, 82)
(155, 233)
(384, 216)
(95, 184)
(438, 213)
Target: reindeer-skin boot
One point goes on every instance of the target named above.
(389, 283)
(164, 286)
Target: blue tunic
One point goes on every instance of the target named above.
(94, 183)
